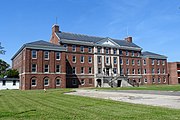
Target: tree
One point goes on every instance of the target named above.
(12, 73)
(1, 49)
(3, 67)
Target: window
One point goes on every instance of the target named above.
(33, 69)
(158, 62)
(74, 59)
(14, 82)
(145, 71)
(127, 53)
(82, 48)
(127, 62)
(90, 49)
(65, 45)
(74, 82)
(90, 70)
(107, 51)
(132, 53)
(98, 50)
(89, 59)
(127, 70)
(121, 61)
(115, 60)
(82, 81)
(159, 80)
(90, 81)
(152, 70)
(73, 70)
(152, 62)
(107, 60)
(164, 71)
(58, 68)
(144, 62)
(4, 82)
(46, 68)
(138, 62)
(153, 80)
(58, 82)
(99, 59)
(34, 54)
(139, 80)
(115, 51)
(99, 70)
(33, 82)
(58, 56)
(46, 55)
(158, 71)
(82, 59)
(163, 62)
(132, 61)
(82, 70)
(145, 80)
(139, 71)
(120, 52)
(74, 48)
(133, 71)
(115, 70)
(46, 82)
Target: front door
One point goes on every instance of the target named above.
(119, 83)
(107, 71)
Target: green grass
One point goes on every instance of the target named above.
(146, 87)
(54, 105)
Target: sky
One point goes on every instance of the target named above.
(153, 24)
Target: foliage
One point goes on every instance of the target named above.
(1, 49)
(12, 73)
(54, 105)
(3, 68)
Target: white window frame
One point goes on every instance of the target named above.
(73, 48)
(74, 59)
(89, 59)
(82, 59)
(66, 47)
(45, 82)
(32, 68)
(132, 53)
(32, 54)
(159, 80)
(133, 71)
(107, 60)
(99, 49)
(127, 53)
(115, 60)
(90, 70)
(59, 82)
(133, 62)
(45, 68)
(99, 62)
(81, 48)
(153, 80)
(74, 82)
(59, 68)
(82, 70)
(32, 82)
(145, 80)
(83, 82)
(121, 61)
(74, 69)
(58, 55)
(107, 50)
(158, 71)
(158, 62)
(152, 61)
(114, 51)
(46, 53)
(90, 49)
(144, 62)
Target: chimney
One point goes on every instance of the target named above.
(55, 28)
(129, 39)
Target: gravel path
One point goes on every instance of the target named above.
(155, 98)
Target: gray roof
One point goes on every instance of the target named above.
(92, 39)
(40, 45)
(148, 54)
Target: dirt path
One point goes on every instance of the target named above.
(168, 100)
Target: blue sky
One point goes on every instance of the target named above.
(153, 24)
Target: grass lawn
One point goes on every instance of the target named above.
(146, 87)
(37, 105)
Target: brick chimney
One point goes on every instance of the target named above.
(55, 28)
(54, 39)
(129, 39)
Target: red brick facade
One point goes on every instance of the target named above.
(174, 72)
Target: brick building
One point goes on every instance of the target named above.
(87, 61)
(174, 72)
